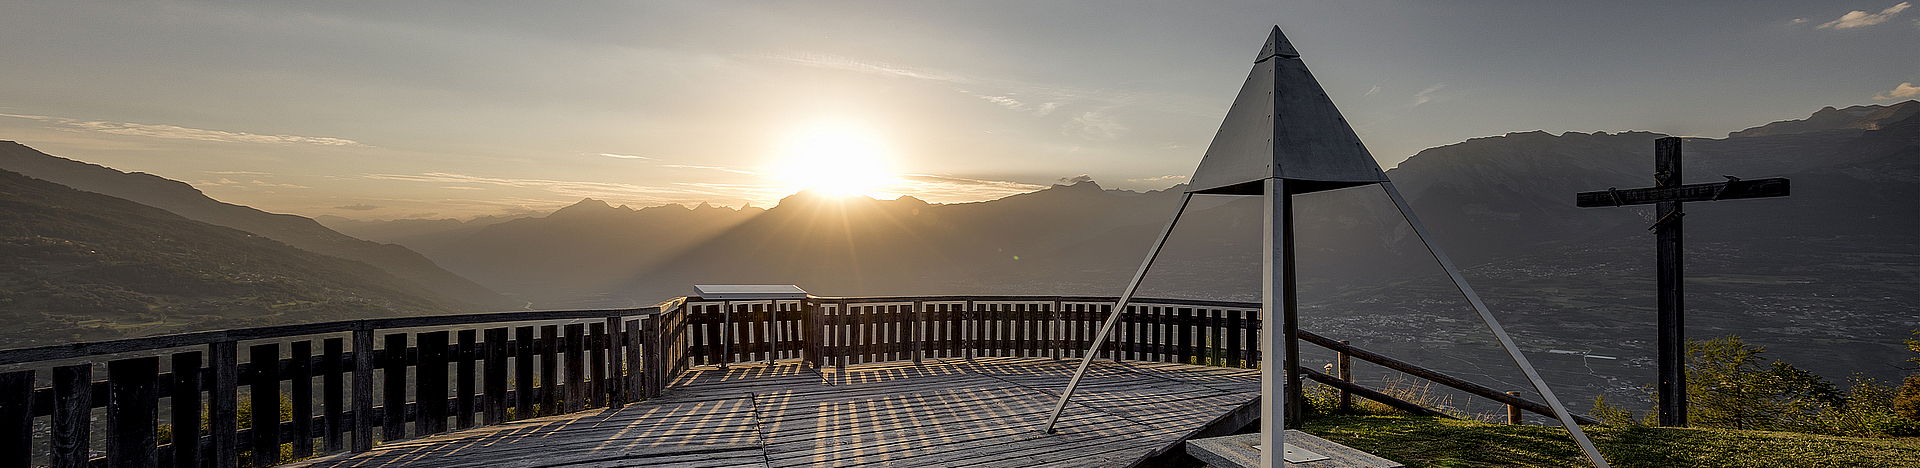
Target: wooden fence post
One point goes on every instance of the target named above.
(1513, 411)
(133, 412)
(362, 389)
(394, 399)
(918, 348)
(300, 376)
(617, 364)
(72, 415)
(549, 343)
(495, 392)
(223, 403)
(463, 370)
(332, 388)
(430, 384)
(16, 419)
(574, 382)
(186, 409)
(523, 350)
(264, 388)
(1346, 374)
(595, 390)
(656, 356)
(637, 364)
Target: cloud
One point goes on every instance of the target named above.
(839, 62)
(184, 133)
(257, 182)
(1426, 95)
(1858, 18)
(949, 189)
(1797, 21)
(713, 168)
(1049, 97)
(225, 182)
(235, 173)
(565, 187)
(1097, 126)
(1075, 179)
(1904, 90)
(357, 207)
(1156, 179)
(1370, 92)
(623, 156)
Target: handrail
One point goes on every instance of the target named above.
(145, 343)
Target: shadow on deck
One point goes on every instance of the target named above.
(942, 413)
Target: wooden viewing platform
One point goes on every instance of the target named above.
(942, 413)
(908, 381)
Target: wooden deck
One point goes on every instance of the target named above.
(942, 413)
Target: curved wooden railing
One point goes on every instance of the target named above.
(500, 367)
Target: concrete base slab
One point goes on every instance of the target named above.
(1303, 450)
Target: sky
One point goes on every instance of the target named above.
(384, 110)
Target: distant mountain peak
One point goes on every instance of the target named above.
(1869, 117)
(587, 207)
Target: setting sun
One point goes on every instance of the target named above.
(838, 159)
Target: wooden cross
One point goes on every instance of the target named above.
(1666, 195)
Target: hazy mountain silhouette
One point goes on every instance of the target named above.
(84, 266)
(1826, 277)
(184, 200)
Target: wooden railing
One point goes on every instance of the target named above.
(455, 372)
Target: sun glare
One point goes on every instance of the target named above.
(837, 159)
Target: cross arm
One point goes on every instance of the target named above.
(1757, 188)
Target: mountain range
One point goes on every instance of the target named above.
(1828, 278)
(298, 231)
(83, 266)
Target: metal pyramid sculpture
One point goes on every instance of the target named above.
(1284, 137)
(1283, 126)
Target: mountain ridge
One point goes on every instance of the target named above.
(301, 232)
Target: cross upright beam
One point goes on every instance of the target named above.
(1672, 377)
(1666, 195)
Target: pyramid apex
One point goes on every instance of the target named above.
(1277, 46)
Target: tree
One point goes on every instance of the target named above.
(1729, 385)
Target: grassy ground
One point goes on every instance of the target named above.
(1430, 442)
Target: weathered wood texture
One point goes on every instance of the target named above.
(943, 413)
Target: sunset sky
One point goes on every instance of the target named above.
(444, 109)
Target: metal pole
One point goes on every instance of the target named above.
(1275, 283)
(1101, 337)
(1566, 418)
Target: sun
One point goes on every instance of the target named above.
(836, 159)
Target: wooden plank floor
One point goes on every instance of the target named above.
(942, 413)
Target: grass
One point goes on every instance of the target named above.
(1434, 442)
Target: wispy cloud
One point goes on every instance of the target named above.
(713, 168)
(1858, 18)
(226, 182)
(839, 62)
(1426, 95)
(184, 133)
(640, 193)
(1904, 90)
(1096, 125)
(1797, 21)
(949, 189)
(357, 207)
(1157, 179)
(623, 156)
(1037, 99)
(235, 173)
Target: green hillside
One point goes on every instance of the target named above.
(85, 266)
